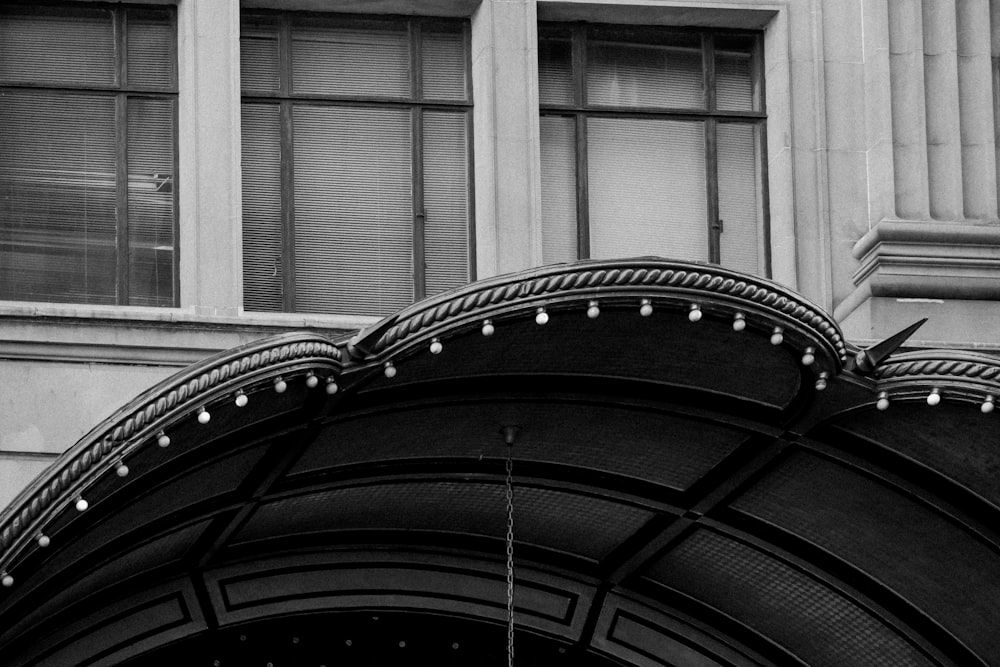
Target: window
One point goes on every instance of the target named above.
(87, 154)
(356, 167)
(651, 145)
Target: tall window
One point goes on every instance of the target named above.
(356, 167)
(88, 154)
(651, 145)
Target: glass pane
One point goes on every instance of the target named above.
(734, 86)
(629, 74)
(555, 71)
(559, 227)
(740, 205)
(443, 69)
(353, 210)
(334, 60)
(262, 224)
(647, 191)
(446, 200)
(151, 180)
(69, 45)
(151, 61)
(260, 68)
(57, 197)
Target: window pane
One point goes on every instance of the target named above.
(333, 60)
(260, 67)
(57, 197)
(151, 201)
(559, 226)
(150, 49)
(647, 188)
(444, 62)
(555, 71)
(739, 197)
(262, 224)
(72, 45)
(353, 214)
(627, 74)
(733, 85)
(446, 200)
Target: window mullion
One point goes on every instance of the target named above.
(712, 191)
(579, 67)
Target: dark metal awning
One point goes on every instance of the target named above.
(698, 481)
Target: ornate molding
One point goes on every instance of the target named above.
(669, 278)
(963, 374)
(109, 439)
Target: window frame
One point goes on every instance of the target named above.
(287, 99)
(581, 110)
(121, 91)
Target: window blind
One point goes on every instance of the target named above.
(353, 210)
(558, 171)
(262, 218)
(555, 71)
(150, 41)
(739, 197)
(647, 188)
(333, 60)
(446, 200)
(622, 74)
(441, 49)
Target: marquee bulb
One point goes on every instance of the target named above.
(331, 386)
(883, 400)
(593, 310)
(311, 380)
(694, 314)
(739, 322)
(541, 317)
(934, 397)
(203, 416)
(81, 505)
(241, 399)
(488, 327)
(821, 381)
(436, 346)
(390, 370)
(44, 541)
(645, 307)
(7, 580)
(121, 470)
(280, 385)
(809, 356)
(777, 336)
(163, 440)
(987, 406)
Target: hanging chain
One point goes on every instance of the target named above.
(510, 559)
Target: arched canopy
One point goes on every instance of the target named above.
(699, 479)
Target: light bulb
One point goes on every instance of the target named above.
(44, 541)
(311, 380)
(593, 310)
(694, 313)
(81, 505)
(987, 406)
(777, 336)
(390, 370)
(7, 580)
(934, 397)
(163, 440)
(331, 386)
(821, 381)
(241, 399)
(883, 400)
(203, 416)
(809, 356)
(645, 307)
(488, 327)
(121, 470)
(436, 346)
(739, 322)
(280, 385)
(541, 317)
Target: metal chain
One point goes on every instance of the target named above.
(510, 559)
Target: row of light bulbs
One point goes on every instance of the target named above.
(163, 440)
(934, 398)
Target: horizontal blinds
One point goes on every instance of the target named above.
(150, 46)
(74, 46)
(558, 166)
(333, 60)
(57, 196)
(263, 256)
(739, 197)
(443, 59)
(446, 200)
(260, 59)
(151, 179)
(555, 71)
(644, 75)
(733, 82)
(647, 188)
(353, 210)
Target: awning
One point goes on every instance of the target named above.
(701, 476)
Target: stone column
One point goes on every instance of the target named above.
(944, 142)
(909, 123)
(208, 54)
(505, 89)
(975, 91)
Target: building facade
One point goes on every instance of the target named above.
(252, 168)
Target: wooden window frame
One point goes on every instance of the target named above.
(580, 110)
(122, 91)
(286, 100)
